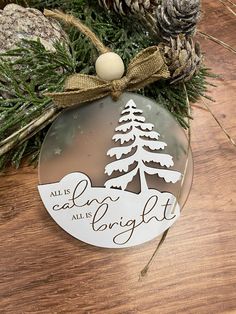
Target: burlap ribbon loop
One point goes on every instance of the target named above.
(145, 68)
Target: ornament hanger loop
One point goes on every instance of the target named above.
(70, 19)
(147, 67)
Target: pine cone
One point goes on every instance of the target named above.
(177, 17)
(17, 23)
(129, 6)
(183, 58)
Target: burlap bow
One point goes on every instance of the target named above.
(145, 68)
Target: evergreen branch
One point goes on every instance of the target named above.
(29, 71)
(28, 131)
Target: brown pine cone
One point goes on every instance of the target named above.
(183, 58)
(129, 6)
(17, 23)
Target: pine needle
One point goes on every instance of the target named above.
(216, 40)
(145, 270)
(199, 107)
(219, 123)
(228, 8)
(233, 4)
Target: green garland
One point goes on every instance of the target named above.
(33, 71)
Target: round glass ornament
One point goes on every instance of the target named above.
(90, 174)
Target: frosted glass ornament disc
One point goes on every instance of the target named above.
(94, 161)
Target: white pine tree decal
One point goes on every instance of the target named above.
(133, 129)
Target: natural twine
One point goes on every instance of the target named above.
(70, 19)
(145, 68)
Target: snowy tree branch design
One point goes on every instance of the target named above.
(134, 129)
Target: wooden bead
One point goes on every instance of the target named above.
(109, 66)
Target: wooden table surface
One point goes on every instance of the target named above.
(44, 270)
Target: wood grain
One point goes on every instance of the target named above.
(44, 270)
